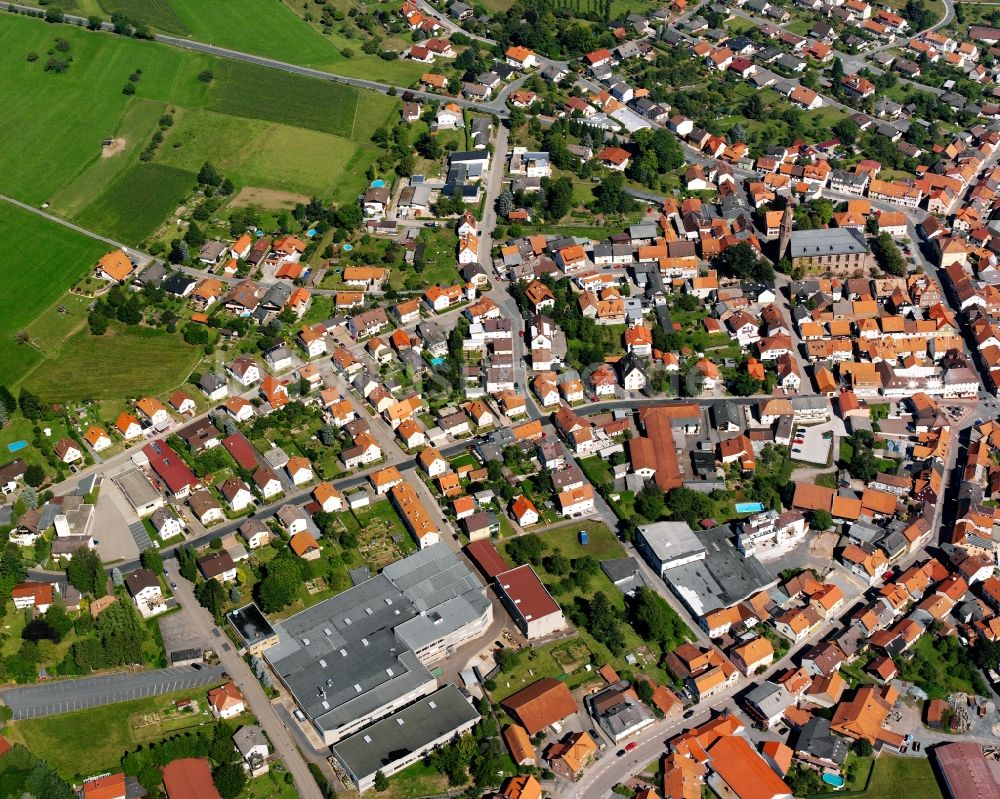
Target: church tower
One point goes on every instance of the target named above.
(785, 236)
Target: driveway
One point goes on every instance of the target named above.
(64, 696)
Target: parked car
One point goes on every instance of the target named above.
(632, 745)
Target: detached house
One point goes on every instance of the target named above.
(226, 701)
(114, 267)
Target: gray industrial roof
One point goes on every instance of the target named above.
(722, 579)
(351, 654)
(405, 731)
(136, 487)
(827, 241)
(671, 540)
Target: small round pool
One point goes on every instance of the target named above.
(378, 184)
(14, 446)
(833, 780)
(348, 247)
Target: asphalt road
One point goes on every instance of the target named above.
(64, 696)
(240, 674)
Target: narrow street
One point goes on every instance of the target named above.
(239, 672)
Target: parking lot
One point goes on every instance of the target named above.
(178, 633)
(64, 696)
(812, 444)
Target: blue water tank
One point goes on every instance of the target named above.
(583, 537)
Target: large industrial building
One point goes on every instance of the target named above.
(400, 740)
(364, 654)
(666, 545)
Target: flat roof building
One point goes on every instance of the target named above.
(721, 578)
(139, 491)
(363, 654)
(253, 628)
(667, 545)
(400, 740)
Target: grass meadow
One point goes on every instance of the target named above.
(264, 27)
(254, 152)
(53, 125)
(265, 129)
(111, 731)
(34, 276)
(138, 360)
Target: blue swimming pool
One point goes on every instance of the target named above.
(834, 780)
(378, 184)
(348, 248)
(310, 233)
(16, 445)
(749, 507)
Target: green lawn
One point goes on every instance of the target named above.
(941, 666)
(123, 363)
(894, 777)
(270, 786)
(565, 659)
(34, 278)
(415, 781)
(596, 469)
(440, 262)
(20, 429)
(377, 525)
(139, 201)
(110, 732)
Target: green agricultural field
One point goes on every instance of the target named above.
(124, 362)
(34, 278)
(264, 27)
(254, 152)
(136, 126)
(155, 13)
(53, 125)
(271, 131)
(136, 204)
(247, 90)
